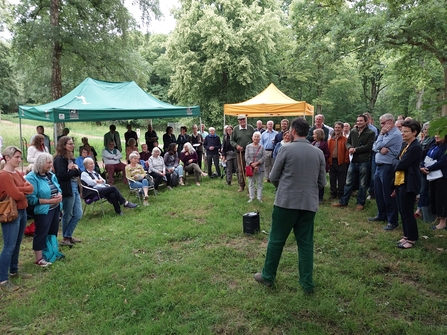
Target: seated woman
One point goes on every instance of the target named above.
(157, 169)
(131, 147)
(80, 159)
(136, 174)
(46, 198)
(36, 148)
(172, 162)
(189, 158)
(93, 179)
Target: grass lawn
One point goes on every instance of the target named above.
(183, 266)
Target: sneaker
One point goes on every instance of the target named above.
(260, 200)
(146, 197)
(130, 205)
(169, 188)
(22, 275)
(198, 184)
(43, 263)
(120, 214)
(66, 242)
(181, 183)
(249, 200)
(7, 286)
(260, 280)
(368, 197)
(75, 240)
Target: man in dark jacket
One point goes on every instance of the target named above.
(359, 145)
(212, 145)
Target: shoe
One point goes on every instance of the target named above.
(437, 228)
(145, 203)
(181, 183)
(338, 205)
(406, 245)
(402, 240)
(260, 200)
(169, 188)
(267, 181)
(204, 174)
(66, 243)
(7, 286)
(417, 215)
(390, 226)
(198, 184)
(240, 189)
(130, 205)
(22, 275)
(43, 263)
(249, 200)
(120, 214)
(260, 280)
(368, 197)
(376, 219)
(74, 240)
(146, 197)
(359, 207)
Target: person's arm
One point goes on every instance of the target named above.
(118, 155)
(85, 177)
(366, 147)
(233, 138)
(248, 153)
(62, 171)
(219, 144)
(30, 157)
(310, 136)
(413, 153)
(10, 188)
(108, 155)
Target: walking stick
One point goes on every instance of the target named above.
(241, 163)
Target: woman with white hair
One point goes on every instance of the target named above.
(157, 169)
(254, 157)
(189, 158)
(93, 179)
(46, 198)
(136, 174)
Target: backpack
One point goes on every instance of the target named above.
(174, 179)
(51, 251)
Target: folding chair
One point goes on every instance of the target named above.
(138, 191)
(91, 196)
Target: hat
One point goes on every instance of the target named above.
(241, 117)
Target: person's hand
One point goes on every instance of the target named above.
(351, 150)
(56, 199)
(190, 161)
(384, 151)
(239, 148)
(211, 148)
(424, 170)
(186, 153)
(393, 194)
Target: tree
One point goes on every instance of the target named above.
(219, 51)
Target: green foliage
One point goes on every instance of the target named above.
(438, 127)
(8, 87)
(219, 51)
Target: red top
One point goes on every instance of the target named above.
(13, 184)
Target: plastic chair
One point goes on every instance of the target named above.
(91, 196)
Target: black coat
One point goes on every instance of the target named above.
(64, 175)
(409, 163)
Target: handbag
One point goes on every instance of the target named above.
(8, 209)
(249, 171)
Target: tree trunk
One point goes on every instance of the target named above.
(444, 107)
(56, 78)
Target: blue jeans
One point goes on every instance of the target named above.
(361, 170)
(139, 184)
(72, 211)
(12, 238)
(383, 187)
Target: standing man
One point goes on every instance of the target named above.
(298, 174)
(259, 126)
(212, 145)
(241, 137)
(319, 124)
(130, 134)
(346, 129)
(338, 161)
(112, 136)
(386, 149)
(203, 132)
(284, 127)
(359, 144)
(150, 137)
(40, 130)
(267, 141)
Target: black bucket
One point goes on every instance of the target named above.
(250, 223)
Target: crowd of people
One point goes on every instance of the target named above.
(396, 164)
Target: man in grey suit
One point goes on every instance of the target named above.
(298, 173)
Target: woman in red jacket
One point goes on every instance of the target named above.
(13, 184)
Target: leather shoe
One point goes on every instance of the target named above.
(359, 207)
(390, 226)
(338, 205)
(240, 189)
(130, 205)
(436, 228)
(376, 219)
(260, 280)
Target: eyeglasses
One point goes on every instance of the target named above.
(382, 123)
